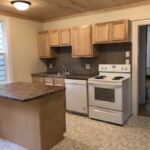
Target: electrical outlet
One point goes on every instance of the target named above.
(127, 61)
(88, 66)
(127, 54)
(50, 66)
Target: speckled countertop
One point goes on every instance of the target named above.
(71, 76)
(26, 91)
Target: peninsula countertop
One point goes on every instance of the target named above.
(26, 91)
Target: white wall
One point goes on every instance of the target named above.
(136, 13)
(23, 47)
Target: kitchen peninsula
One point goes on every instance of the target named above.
(32, 115)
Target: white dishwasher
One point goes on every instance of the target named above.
(76, 95)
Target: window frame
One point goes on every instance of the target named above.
(8, 60)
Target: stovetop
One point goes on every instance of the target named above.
(108, 77)
(112, 73)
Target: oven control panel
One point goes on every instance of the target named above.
(114, 68)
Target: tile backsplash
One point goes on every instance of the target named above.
(107, 54)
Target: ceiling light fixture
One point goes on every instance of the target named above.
(21, 5)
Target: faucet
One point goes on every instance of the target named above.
(65, 70)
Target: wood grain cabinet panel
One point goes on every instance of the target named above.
(119, 31)
(59, 82)
(65, 37)
(36, 79)
(58, 38)
(54, 38)
(82, 41)
(48, 81)
(52, 81)
(43, 44)
(44, 50)
(112, 32)
(101, 32)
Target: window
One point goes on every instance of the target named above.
(2, 54)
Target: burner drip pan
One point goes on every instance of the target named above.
(100, 77)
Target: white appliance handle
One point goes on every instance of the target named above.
(106, 110)
(76, 83)
(105, 85)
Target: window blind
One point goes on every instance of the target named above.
(2, 54)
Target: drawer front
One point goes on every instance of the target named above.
(37, 79)
(48, 80)
(48, 83)
(59, 82)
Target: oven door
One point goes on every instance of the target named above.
(107, 96)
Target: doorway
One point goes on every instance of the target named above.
(144, 70)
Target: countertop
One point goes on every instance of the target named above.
(70, 76)
(26, 91)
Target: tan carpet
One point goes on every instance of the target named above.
(86, 134)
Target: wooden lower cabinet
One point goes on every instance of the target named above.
(49, 81)
(59, 82)
(36, 79)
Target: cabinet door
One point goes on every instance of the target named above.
(54, 38)
(48, 81)
(65, 37)
(119, 31)
(36, 79)
(82, 41)
(59, 82)
(100, 33)
(43, 44)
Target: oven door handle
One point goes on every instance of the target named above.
(105, 85)
(106, 110)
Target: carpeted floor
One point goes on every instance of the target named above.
(86, 134)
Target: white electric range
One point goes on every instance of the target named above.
(110, 94)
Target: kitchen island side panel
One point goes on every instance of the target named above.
(36, 125)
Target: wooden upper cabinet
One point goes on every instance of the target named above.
(59, 38)
(65, 37)
(111, 32)
(82, 41)
(54, 38)
(101, 32)
(119, 31)
(43, 44)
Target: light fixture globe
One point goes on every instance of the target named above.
(21, 5)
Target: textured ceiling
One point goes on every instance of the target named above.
(51, 9)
